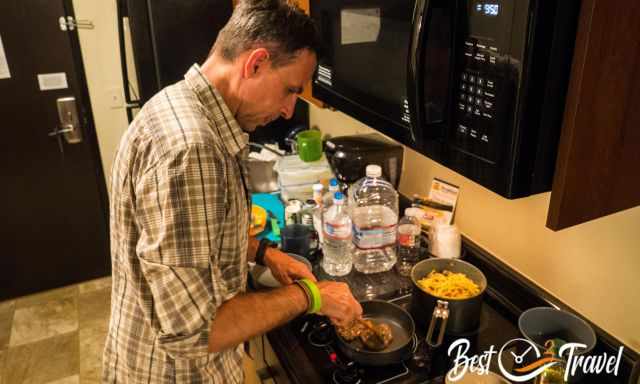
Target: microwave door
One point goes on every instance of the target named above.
(430, 68)
(362, 71)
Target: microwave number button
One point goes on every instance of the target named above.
(464, 76)
(478, 101)
(472, 89)
(480, 81)
(472, 79)
(478, 91)
(463, 87)
(469, 109)
(463, 97)
(470, 99)
(476, 111)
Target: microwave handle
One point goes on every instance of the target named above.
(420, 14)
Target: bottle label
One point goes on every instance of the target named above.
(374, 237)
(406, 240)
(337, 231)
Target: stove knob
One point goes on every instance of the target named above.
(347, 374)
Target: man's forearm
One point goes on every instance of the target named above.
(251, 314)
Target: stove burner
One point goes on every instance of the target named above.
(347, 374)
(321, 335)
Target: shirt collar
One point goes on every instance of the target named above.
(233, 137)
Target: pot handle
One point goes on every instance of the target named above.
(441, 311)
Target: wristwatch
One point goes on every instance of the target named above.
(262, 248)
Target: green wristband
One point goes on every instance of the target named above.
(316, 299)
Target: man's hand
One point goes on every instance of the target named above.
(338, 303)
(285, 268)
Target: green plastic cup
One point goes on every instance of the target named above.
(309, 145)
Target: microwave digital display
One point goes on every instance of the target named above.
(488, 9)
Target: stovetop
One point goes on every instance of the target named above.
(426, 365)
(507, 296)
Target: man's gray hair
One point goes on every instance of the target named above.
(277, 25)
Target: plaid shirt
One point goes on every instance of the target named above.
(179, 233)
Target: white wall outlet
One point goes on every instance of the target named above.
(116, 100)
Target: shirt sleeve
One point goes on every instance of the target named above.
(180, 205)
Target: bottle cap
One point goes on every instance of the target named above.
(414, 212)
(373, 170)
(333, 182)
(338, 198)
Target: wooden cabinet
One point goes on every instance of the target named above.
(598, 165)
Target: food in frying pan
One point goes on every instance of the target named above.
(449, 285)
(351, 332)
(375, 336)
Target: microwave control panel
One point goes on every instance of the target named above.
(481, 90)
(477, 104)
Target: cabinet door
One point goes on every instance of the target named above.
(598, 166)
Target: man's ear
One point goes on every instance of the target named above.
(255, 62)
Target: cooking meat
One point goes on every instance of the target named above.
(350, 332)
(377, 336)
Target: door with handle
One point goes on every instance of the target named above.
(53, 230)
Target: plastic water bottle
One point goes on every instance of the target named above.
(318, 210)
(327, 198)
(408, 249)
(336, 247)
(375, 217)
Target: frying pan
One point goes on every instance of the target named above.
(402, 328)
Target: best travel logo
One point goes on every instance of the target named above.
(538, 361)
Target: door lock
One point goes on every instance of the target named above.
(69, 126)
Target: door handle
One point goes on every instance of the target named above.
(69, 120)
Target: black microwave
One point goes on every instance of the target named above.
(478, 86)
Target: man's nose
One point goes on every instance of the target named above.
(289, 107)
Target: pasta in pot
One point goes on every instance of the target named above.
(449, 285)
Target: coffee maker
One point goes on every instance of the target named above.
(348, 157)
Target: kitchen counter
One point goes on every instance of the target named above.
(507, 295)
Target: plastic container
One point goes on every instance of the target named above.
(293, 172)
(445, 241)
(375, 217)
(336, 248)
(408, 244)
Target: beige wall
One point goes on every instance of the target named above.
(593, 267)
(101, 57)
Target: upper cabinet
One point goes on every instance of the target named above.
(598, 164)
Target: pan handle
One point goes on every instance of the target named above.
(441, 311)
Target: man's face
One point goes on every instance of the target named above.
(273, 92)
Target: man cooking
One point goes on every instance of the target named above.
(180, 211)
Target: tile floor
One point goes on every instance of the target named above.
(55, 337)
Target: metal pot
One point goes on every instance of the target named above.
(457, 316)
(402, 327)
(262, 176)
